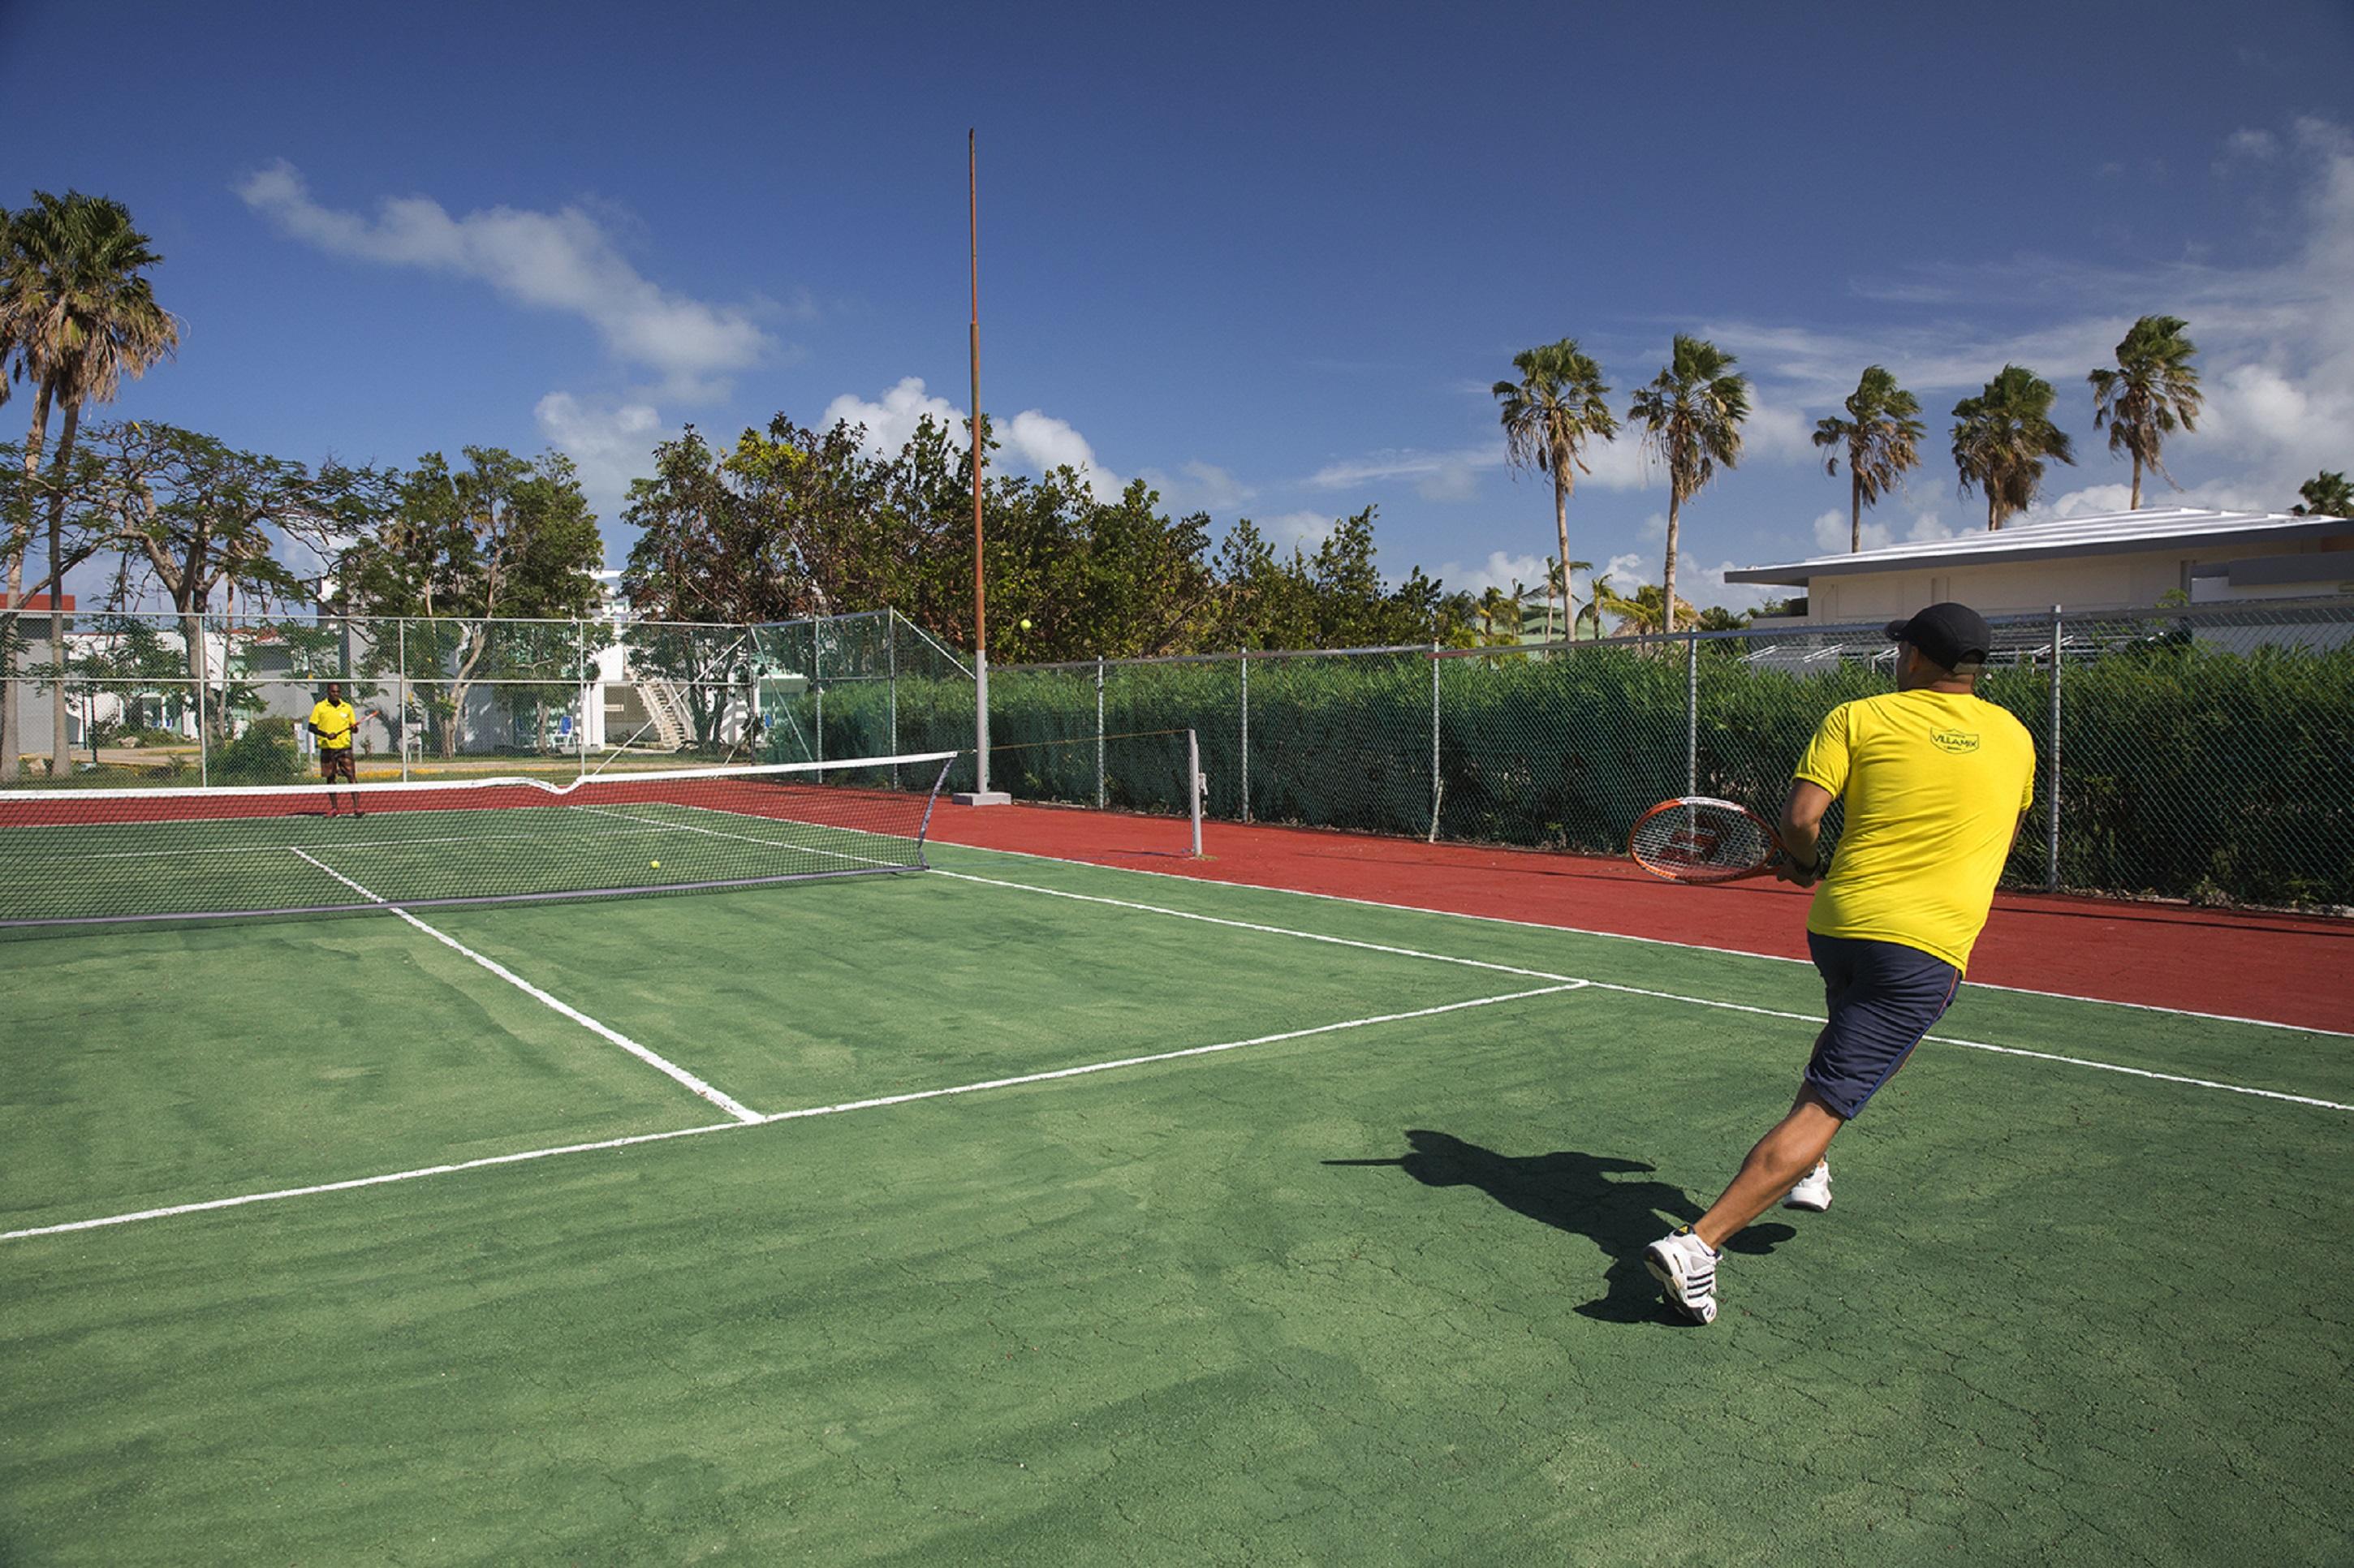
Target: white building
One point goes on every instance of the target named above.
(2113, 561)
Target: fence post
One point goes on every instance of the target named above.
(891, 637)
(817, 684)
(1691, 713)
(1245, 763)
(1099, 734)
(400, 689)
(1436, 789)
(2051, 808)
(581, 626)
(200, 665)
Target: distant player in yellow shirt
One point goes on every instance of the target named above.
(333, 720)
(1937, 781)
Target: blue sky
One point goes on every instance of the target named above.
(1268, 258)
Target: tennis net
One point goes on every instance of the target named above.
(74, 857)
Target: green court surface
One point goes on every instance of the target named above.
(701, 1264)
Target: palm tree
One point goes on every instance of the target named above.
(1640, 613)
(1592, 614)
(1692, 416)
(1557, 583)
(1881, 438)
(2003, 437)
(81, 317)
(2326, 494)
(2152, 388)
(1559, 404)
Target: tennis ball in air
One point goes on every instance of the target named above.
(1025, 624)
(654, 865)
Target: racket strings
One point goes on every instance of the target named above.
(1695, 840)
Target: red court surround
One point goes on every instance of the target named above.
(2286, 969)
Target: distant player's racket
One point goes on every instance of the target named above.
(1698, 838)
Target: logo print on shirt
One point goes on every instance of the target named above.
(1960, 742)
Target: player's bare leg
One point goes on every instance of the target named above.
(1773, 1167)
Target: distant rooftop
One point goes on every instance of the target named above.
(2103, 533)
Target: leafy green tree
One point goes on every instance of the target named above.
(2002, 438)
(2326, 494)
(2153, 389)
(78, 316)
(1559, 404)
(1692, 414)
(1881, 438)
(502, 538)
(195, 517)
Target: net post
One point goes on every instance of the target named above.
(1193, 787)
(1246, 736)
(1100, 733)
(2051, 788)
(1691, 715)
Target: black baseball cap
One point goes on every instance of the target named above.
(1952, 635)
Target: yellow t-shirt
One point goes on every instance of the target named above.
(1935, 782)
(338, 720)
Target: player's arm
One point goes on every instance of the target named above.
(1801, 832)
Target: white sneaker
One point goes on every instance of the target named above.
(1686, 1270)
(1813, 1191)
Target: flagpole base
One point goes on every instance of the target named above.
(981, 797)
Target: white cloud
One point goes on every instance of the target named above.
(1296, 530)
(1707, 587)
(1215, 489)
(2257, 144)
(1776, 433)
(890, 422)
(1832, 535)
(1050, 443)
(1039, 439)
(562, 260)
(1499, 570)
(611, 445)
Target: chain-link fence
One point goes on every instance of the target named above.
(2201, 753)
(141, 698)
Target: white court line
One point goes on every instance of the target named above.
(660, 1064)
(1661, 995)
(846, 1105)
(1624, 937)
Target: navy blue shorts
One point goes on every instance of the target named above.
(1882, 997)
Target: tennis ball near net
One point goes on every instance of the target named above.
(654, 865)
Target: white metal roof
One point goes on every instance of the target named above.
(2103, 533)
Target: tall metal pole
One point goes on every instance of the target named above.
(2051, 804)
(891, 642)
(979, 578)
(1099, 734)
(1193, 787)
(1436, 789)
(582, 723)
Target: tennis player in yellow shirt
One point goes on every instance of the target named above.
(1937, 781)
(332, 720)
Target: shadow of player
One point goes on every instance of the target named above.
(1580, 1193)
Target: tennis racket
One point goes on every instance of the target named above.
(1701, 839)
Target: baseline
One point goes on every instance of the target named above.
(661, 1064)
(242, 1200)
